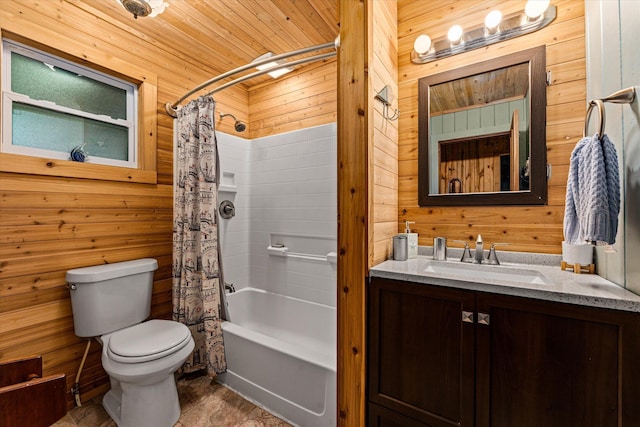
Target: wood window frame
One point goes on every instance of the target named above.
(146, 170)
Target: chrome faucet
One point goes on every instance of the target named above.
(479, 255)
(493, 256)
(466, 252)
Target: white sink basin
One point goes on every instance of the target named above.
(478, 272)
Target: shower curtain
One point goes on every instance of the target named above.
(197, 272)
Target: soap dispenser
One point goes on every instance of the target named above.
(412, 240)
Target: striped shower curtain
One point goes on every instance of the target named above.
(197, 269)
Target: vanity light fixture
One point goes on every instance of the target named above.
(536, 15)
(275, 73)
(142, 8)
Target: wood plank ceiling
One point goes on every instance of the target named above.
(508, 83)
(230, 33)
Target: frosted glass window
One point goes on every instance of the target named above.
(51, 105)
(43, 129)
(39, 80)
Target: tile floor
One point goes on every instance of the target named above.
(204, 403)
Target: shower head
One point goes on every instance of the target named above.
(239, 126)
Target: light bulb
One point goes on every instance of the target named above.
(535, 8)
(422, 44)
(455, 34)
(492, 21)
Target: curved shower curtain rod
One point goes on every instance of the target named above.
(171, 109)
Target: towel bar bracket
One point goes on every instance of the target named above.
(624, 96)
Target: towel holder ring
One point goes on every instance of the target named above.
(624, 96)
(601, 117)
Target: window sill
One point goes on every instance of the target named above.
(17, 163)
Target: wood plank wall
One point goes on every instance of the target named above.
(526, 228)
(49, 224)
(474, 162)
(384, 180)
(295, 101)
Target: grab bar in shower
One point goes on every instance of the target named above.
(331, 257)
(283, 251)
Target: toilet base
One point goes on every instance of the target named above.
(153, 405)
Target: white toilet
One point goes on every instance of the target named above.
(111, 301)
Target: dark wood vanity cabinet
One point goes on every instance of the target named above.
(439, 356)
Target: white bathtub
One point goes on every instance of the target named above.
(281, 355)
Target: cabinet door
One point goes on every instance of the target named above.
(421, 353)
(549, 364)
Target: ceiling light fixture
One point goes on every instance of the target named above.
(142, 8)
(496, 28)
(275, 73)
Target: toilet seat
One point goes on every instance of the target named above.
(147, 341)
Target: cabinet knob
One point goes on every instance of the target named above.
(467, 316)
(484, 318)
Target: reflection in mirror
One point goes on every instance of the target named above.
(479, 125)
(481, 133)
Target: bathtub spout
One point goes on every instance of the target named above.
(229, 287)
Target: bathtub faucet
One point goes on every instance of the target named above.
(229, 287)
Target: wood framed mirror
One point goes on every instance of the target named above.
(482, 133)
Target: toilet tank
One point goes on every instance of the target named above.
(109, 297)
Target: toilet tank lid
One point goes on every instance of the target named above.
(101, 272)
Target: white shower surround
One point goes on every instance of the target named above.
(285, 191)
(285, 184)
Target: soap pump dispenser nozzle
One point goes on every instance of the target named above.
(407, 227)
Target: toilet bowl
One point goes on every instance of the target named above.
(140, 361)
(111, 302)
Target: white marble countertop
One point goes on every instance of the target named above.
(564, 286)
